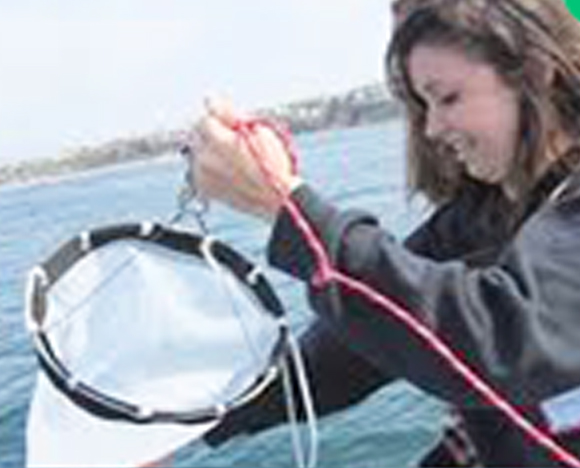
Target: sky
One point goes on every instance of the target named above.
(84, 73)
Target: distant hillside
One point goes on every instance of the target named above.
(85, 158)
(359, 106)
(362, 105)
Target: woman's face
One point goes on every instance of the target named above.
(469, 107)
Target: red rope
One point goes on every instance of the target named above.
(326, 273)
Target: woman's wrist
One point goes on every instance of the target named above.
(286, 188)
(294, 183)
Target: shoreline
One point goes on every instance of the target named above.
(360, 106)
(56, 178)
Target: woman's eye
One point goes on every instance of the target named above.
(449, 99)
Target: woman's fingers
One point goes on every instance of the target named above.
(215, 134)
(223, 110)
(229, 164)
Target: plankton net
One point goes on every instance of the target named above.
(141, 326)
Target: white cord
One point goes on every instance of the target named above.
(297, 448)
(229, 291)
(297, 362)
(307, 401)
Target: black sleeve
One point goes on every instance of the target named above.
(515, 322)
(474, 227)
(338, 378)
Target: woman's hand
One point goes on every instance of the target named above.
(225, 168)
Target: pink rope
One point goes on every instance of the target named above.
(326, 272)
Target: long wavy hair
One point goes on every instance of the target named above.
(534, 45)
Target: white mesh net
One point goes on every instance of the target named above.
(152, 326)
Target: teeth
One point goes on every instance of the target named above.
(457, 148)
(460, 146)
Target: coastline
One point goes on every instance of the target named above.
(359, 106)
(80, 172)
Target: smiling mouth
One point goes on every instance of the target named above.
(461, 147)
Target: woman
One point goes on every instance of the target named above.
(492, 96)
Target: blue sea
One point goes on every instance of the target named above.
(360, 167)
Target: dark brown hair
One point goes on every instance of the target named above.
(533, 45)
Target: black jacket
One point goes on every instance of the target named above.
(506, 297)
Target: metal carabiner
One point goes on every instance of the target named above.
(189, 200)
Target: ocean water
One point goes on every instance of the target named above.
(361, 167)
